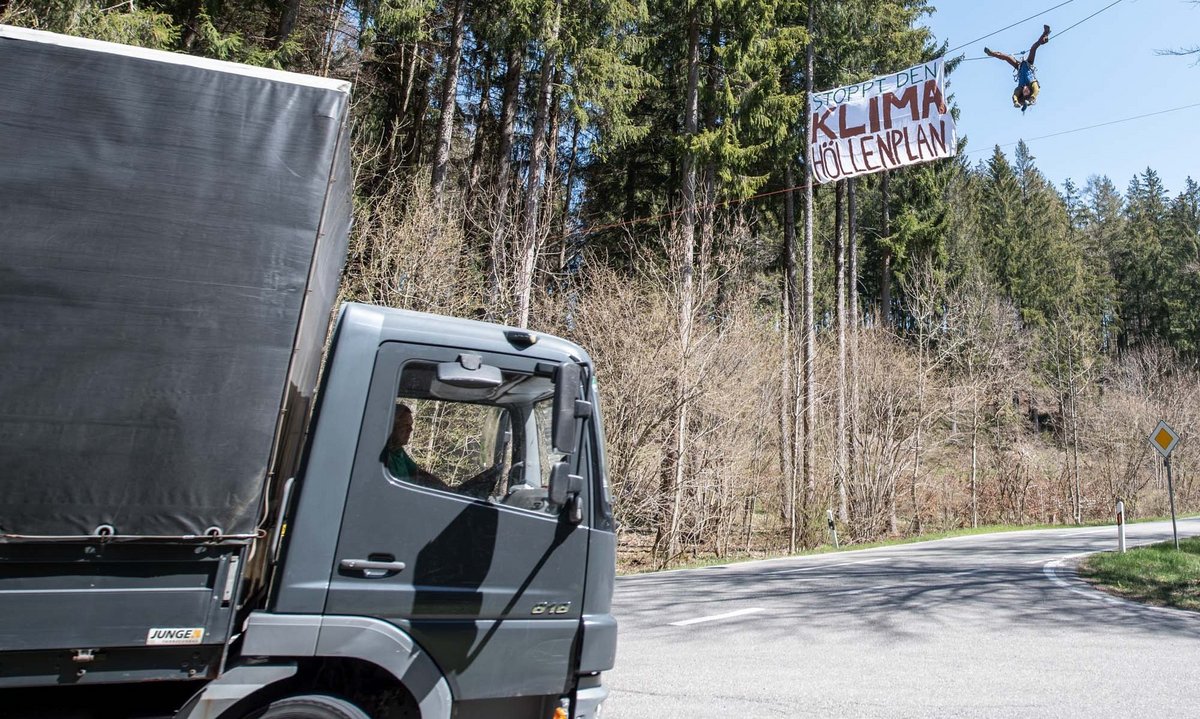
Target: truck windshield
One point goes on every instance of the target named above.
(495, 448)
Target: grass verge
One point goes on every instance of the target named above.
(1155, 574)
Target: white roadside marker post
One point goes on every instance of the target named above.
(1121, 526)
(832, 528)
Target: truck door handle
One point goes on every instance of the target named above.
(367, 565)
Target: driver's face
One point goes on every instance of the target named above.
(401, 430)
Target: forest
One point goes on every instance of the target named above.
(957, 344)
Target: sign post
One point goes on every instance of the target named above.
(1164, 439)
(1171, 494)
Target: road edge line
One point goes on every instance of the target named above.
(1076, 585)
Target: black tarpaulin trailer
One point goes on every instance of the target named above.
(172, 233)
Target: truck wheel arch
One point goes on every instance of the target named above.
(392, 649)
(283, 639)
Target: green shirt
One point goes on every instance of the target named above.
(401, 465)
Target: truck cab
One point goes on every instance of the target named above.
(481, 582)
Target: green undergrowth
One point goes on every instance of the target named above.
(712, 561)
(1154, 574)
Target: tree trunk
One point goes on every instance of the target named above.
(885, 271)
(687, 240)
(629, 212)
(504, 180)
(389, 141)
(974, 449)
(566, 206)
(706, 221)
(787, 470)
(483, 114)
(852, 292)
(335, 18)
(530, 240)
(1074, 427)
(922, 369)
(707, 217)
(417, 109)
(287, 23)
(508, 109)
(791, 403)
(552, 174)
(410, 76)
(407, 151)
(885, 311)
(839, 261)
(441, 158)
(789, 241)
(810, 340)
(552, 136)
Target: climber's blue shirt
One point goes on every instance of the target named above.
(1025, 74)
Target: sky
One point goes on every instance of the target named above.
(1108, 68)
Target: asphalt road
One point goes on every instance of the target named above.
(983, 626)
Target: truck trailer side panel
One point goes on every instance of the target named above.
(160, 228)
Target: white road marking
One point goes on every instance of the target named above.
(904, 585)
(715, 617)
(1052, 568)
(826, 566)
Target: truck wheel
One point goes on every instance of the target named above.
(313, 706)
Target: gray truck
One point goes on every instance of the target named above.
(190, 526)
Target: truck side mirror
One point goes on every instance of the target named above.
(566, 489)
(567, 406)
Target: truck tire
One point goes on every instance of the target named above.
(313, 706)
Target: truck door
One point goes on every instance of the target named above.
(448, 530)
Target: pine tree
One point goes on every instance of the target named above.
(1182, 252)
(1140, 272)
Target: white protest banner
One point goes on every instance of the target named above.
(886, 122)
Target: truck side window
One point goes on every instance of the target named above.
(492, 445)
(451, 446)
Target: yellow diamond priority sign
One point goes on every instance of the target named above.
(1164, 438)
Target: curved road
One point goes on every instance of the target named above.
(981, 626)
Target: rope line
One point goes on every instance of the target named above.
(1089, 127)
(1089, 17)
(985, 37)
(1056, 35)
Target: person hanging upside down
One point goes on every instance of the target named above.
(1027, 84)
